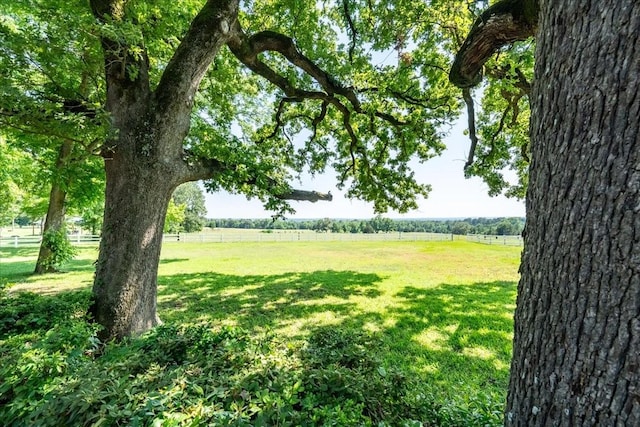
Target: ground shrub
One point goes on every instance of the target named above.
(29, 312)
(61, 249)
(56, 372)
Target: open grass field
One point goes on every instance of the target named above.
(442, 310)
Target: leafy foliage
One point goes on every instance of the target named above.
(189, 196)
(56, 371)
(267, 136)
(502, 153)
(28, 312)
(395, 59)
(60, 249)
(175, 217)
(50, 96)
(15, 170)
(92, 214)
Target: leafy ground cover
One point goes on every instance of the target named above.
(321, 333)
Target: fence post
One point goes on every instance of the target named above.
(15, 241)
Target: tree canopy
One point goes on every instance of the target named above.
(14, 170)
(358, 87)
(189, 195)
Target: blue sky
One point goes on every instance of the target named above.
(452, 195)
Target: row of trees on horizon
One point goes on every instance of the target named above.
(379, 224)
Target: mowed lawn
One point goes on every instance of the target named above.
(444, 309)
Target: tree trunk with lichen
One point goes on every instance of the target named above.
(577, 324)
(54, 221)
(144, 163)
(136, 199)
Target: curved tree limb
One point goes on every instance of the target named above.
(199, 168)
(306, 196)
(331, 93)
(353, 32)
(471, 123)
(503, 23)
(208, 32)
(247, 48)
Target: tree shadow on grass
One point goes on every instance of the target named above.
(261, 301)
(449, 334)
(79, 265)
(8, 252)
(171, 260)
(18, 272)
(12, 270)
(20, 277)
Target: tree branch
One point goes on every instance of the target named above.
(34, 130)
(471, 123)
(306, 196)
(344, 99)
(503, 23)
(247, 49)
(519, 80)
(200, 168)
(209, 31)
(68, 106)
(353, 33)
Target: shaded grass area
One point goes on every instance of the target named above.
(17, 265)
(451, 335)
(439, 313)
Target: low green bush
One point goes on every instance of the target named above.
(30, 312)
(56, 372)
(62, 250)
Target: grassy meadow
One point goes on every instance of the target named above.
(437, 313)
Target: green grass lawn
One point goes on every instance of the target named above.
(442, 310)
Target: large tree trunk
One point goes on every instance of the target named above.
(576, 358)
(55, 212)
(136, 201)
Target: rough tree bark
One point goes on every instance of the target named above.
(577, 324)
(577, 334)
(144, 164)
(55, 212)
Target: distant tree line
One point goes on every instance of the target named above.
(494, 226)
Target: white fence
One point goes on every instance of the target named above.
(302, 236)
(495, 240)
(229, 236)
(27, 241)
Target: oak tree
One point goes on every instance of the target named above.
(577, 322)
(243, 95)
